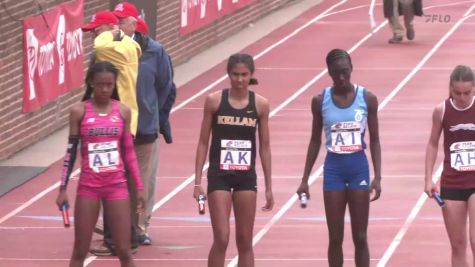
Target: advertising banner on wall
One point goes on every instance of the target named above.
(53, 54)
(198, 13)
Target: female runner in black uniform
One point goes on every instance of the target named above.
(232, 116)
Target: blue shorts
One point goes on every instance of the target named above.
(346, 172)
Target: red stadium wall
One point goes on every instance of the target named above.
(19, 130)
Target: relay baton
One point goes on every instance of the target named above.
(303, 200)
(438, 199)
(201, 204)
(65, 213)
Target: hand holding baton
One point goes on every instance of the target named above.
(303, 200)
(201, 204)
(65, 213)
(438, 199)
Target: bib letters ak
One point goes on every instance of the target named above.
(235, 155)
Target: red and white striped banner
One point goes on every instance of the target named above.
(53, 54)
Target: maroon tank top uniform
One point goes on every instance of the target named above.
(459, 146)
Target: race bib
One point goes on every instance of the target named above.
(235, 155)
(103, 157)
(462, 156)
(346, 137)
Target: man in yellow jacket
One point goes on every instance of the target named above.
(111, 44)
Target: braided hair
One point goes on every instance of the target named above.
(98, 67)
(336, 54)
(246, 60)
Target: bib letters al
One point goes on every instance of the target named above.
(104, 156)
(235, 155)
(462, 156)
(346, 137)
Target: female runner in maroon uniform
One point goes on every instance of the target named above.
(456, 118)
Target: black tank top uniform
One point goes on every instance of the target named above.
(233, 142)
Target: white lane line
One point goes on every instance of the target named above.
(207, 88)
(442, 68)
(295, 95)
(425, 59)
(393, 93)
(49, 189)
(41, 194)
(178, 259)
(265, 51)
(311, 82)
(34, 199)
(410, 219)
(451, 4)
(316, 174)
(291, 98)
(419, 204)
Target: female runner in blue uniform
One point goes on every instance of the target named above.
(342, 111)
(232, 116)
(456, 118)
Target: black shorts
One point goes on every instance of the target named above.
(456, 194)
(231, 183)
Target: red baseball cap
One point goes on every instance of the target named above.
(101, 18)
(125, 9)
(141, 26)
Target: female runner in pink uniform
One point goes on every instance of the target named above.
(102, 124)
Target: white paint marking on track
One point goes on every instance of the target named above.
(410, 219)
(265, 51)
(419, 204)
(291, 98)
(393, 93)
(178, 259)
(76, 172)
(33, 199)
(316, 174)
(207, 88)
(181, 186)
(424, 60)
(295, 95)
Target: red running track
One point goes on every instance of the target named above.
(409, 79)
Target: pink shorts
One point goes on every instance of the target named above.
(110, 192)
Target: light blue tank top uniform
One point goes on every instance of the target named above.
(346, 165)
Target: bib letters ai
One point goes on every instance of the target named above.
(462, 156)
(104, 156)
(346, 137)
(235, 155)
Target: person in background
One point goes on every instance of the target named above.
(407, 8)
(156, 94)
